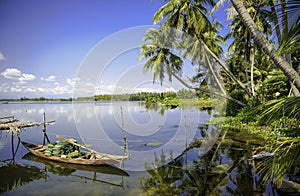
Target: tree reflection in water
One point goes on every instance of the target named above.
(14, 175)
(230, 173)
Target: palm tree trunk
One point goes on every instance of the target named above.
(247, 57)
(215, 76)
(287, 69)
(206, 90)
(226, 69)
(252, 74)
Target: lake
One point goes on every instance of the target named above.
(164, 155)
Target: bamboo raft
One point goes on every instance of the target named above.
(10, 123)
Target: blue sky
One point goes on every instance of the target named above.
(44, 42)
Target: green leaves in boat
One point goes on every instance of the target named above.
(63, 149)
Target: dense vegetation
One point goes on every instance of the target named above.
(260, 74)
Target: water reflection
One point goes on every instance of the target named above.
(146, 130)
(14, 175)
(193, 169)
(229, 173)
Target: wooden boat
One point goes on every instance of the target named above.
(91, 158)
(60, 167)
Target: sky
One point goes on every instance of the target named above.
(45, 46)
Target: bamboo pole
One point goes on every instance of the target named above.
(44, 130)
(123, 132)
(6, 117)
(185, 133)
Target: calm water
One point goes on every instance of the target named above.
(157, 138)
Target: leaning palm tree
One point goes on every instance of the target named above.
(159, 50)
(281, 62)
(191, 18)
(243, 50)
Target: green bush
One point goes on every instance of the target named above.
(232, 107)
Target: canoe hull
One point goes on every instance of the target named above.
(36, 149)
(104, 169)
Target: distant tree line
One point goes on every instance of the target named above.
(140, 96)
(151, 96)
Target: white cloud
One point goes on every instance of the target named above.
(15, 74)
(15, 90)
(2, 57)
(31, 90)
(11, 73)
(72, 81)
(26, 77)
(49, 79)
(41, 89)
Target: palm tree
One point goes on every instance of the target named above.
(190, 17)
(243, 51)
(260, 40)
(162, 59)
(158, 51)
(287, 31)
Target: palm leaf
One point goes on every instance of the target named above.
(290, 42)
(218, 5)
(163, 11)
(274, 109)
(275, 168)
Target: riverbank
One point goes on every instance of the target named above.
(202, 104)
(275, 129)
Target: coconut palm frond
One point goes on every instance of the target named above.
(292, 10)
(275, 109)
(157, 51)
(163, 11)
(290, 42)
(218, 5)
(275, 168)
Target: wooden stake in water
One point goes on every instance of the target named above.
(186, 140)
(218, 147)
(123, 132)
(44, 130)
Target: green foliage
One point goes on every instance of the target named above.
(276, 85)
(286, 152)
(232, 107)
(245, 114)
(161, 177)
(186, 94)
(276, 109)
(290, 41)
(266, 120)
